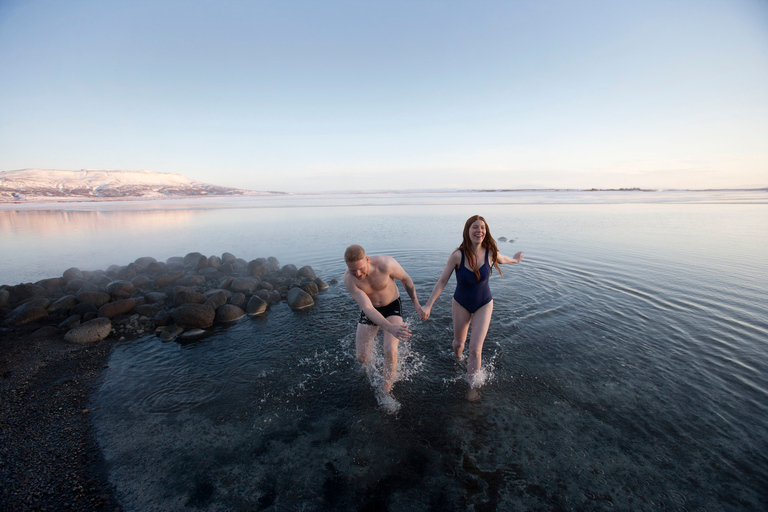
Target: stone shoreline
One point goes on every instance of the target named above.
(56, 337)
(180, 297)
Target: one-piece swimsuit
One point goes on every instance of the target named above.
(471, 293)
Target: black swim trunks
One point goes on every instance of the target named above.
(391, 309)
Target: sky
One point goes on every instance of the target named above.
(327, 95)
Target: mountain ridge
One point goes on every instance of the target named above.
(92, 184)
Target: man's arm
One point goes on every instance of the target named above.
(397, 272)
(400, 332)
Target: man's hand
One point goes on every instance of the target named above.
(400, 332)
(424, 312)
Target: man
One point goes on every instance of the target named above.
(371, 282)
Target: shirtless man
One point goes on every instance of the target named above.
(371, 282)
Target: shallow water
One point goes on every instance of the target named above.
(626, 363)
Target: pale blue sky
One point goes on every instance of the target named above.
(367, 95)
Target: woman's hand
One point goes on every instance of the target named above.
(518, 257)
(425, 311)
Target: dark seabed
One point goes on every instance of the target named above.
(626, 369)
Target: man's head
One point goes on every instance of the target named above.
(357, 261)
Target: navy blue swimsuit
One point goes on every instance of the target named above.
(470, 293)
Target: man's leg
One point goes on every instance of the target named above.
(364, 342)
(390, 356)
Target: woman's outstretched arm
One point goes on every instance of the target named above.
(453, 262)
(503, 260)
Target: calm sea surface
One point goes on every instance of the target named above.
(626, 362)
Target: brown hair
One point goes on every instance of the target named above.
(488, 242)
(354, 253)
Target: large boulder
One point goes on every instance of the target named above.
(310, 288)
(197, 316)
(229, 313)
(145, 261)
(66, 302)
(22, 315)
(118, 307)
(228, 257)
(321, 285)
(153, 297)
(298, 299)
(97, 299)
(89, 332)
(289, 270)
(306, 272)
(72, 273)
(187, 296)
(243, 284)
(22, 292)
(195, 261)
(5, 295)
(191, 280)
(120, 289)
(256, 305)
(216, 298)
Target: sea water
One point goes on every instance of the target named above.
(626, 365)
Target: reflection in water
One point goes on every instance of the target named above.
(57, 223)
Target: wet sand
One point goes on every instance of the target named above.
(49, 456)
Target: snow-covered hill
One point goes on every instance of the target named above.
(89, 184)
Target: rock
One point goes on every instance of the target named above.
(119, 307)
(175, 261)
(91, 315)
(147, 310)
(89, 332)
(97, 299)
(321, 285)
(45, 332)
(334, 281)
(226, 268)
(310, 288)
(22, 292)
(167, 278)
(22, 316)
(145, 261)
(289, 270)
(229, 313)
(502, 239)
(69, 323)
(72, 273)
(306, 272)
(169, 333)
(256, 268)
(216, 299)
(298, 299)
(243, 284)
(120, 289)
(226, 282)
(273, 261)
(274, 297)
(194, 316)
(210, 273)
(140, 281)
(66, 302)
(51, 285)
(237, 299)
(187, 296)
(256, 306)
(83, 308)
(195, 261)
(228, 257)
(37, 302)
(191, 280)
(156, 267)
(5, 295)
(265, 285)
(214, 261)
(239, 265)
(154, 297)
(100, 280)
(163, 317)
(88, 287)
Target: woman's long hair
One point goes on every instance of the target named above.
(488, 242)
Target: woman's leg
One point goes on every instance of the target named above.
(461, 318)
(481, 320)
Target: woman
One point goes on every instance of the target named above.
(472, 300)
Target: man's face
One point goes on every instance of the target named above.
(360, 268)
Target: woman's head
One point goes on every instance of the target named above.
(476, 231)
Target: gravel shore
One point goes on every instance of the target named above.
(49, 456)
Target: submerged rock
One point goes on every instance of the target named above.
(298, 299)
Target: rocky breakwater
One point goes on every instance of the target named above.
(181, 297)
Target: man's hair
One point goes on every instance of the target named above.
(354, 253)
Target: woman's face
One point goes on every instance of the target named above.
(477, 231)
